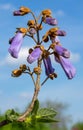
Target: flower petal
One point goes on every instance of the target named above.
(16, 45)
(48, 66)
(51, 21)
(32, 31)
(17, 13)
(54, 39)
(61, 33)
(68, 68)
(34, 55)
(62, 51)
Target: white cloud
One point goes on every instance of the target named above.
(75, 57)
(6, 6)
(12, 61)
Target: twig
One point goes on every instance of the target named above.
(32, 37)
(38, 40)
(4, 122)
(38, 17)
(44, 81)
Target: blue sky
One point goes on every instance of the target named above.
(14, 92)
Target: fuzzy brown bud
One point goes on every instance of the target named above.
(25, 9)
(45, 38)
(16, 73)
(31, 22)
(23, 67)
(37, 70)
(46, 12)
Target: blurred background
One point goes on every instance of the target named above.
(64, 95)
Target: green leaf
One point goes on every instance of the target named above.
(47, 120)
(35, 108)
(11, 115)
(45, 112)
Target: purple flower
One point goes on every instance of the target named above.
(68, 68)
(17, 13)
(61, 33)
(15, 45)
(32, 31)
(22, 11)
(48, 66)
(34, 55)
(54, 39)
(51, 21)
(62, 51)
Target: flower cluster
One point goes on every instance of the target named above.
(39, 52)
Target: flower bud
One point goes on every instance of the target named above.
(22, 30)
(52, 76)
(45, 54)
(32, 31)
(39, 27)
(25, 9)
(37, 70)
(30, 50)
(45, 38)
(22, 11)
(31, 22)
(23, 67)
(46, 12)
(16, 73)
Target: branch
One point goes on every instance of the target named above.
(4, 122)
(32, 37)
(29, 109)
(44, 81)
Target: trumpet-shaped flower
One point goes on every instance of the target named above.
(22, 11)
(35, 54)
(62, 51)
(48, 66)
(60, 33)
(51, 21)
(15, 45)
(68, 68)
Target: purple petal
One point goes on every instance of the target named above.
(68, 68)
(34, 55)
(51, 21)
(17, 13)
(62, 51)
(32, 31)
(16, 45)
(48, 66)
(61, 33)
(54, 39)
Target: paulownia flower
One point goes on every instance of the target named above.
(62, 51)
(15, 45)
(60, 33)
(50, 21)
(68, 68)
(48, 66)
(34, 55)
(22, 11)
